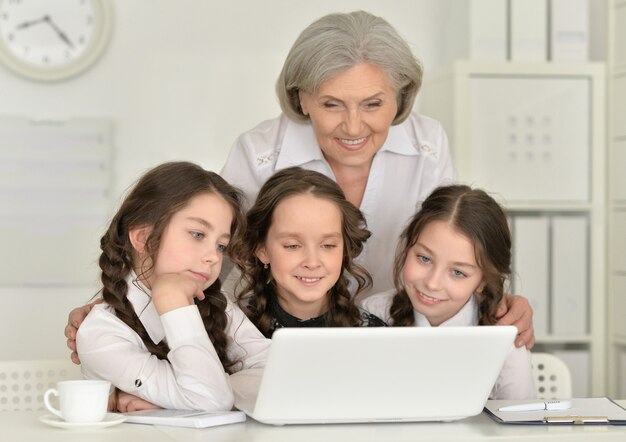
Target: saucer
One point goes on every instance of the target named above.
(109, 420)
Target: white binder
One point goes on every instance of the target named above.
(488, 30)
(530, 266)
(529, 29)
(569, 30)
(570, 270)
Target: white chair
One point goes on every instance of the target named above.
(552, 377)
(23, 383)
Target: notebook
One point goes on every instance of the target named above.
(598, 410)
(378, 374)
(185, 418)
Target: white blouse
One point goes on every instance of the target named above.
(193, 378)
(515, 380)
(414, 160)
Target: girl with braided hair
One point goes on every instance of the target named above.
(165, 333)
(451, 265)
(298, 252)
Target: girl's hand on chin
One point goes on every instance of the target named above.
(175, 290)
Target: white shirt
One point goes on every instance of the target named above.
(515, 380)
(194, 377)
(414, 160)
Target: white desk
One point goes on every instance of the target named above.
(16, 426)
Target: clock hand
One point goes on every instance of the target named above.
(59, 32)
(28, 24)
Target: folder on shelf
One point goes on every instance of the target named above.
(530, 266)
(600, 410)
(570, 282)
(569, 30)
(529, 29)
(488, 29)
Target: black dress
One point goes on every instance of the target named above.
(280, 319)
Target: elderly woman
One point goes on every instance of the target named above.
(347, 90)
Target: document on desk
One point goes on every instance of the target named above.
(185, 418)
(600, 410)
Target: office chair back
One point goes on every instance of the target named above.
(23, 383)
(552, 377)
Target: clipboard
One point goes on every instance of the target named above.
(584, 411)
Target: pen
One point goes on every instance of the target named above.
(539, 406)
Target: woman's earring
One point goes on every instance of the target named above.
(266, 266)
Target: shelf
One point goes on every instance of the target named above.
(525, 69)
(551, 207)
(551, 340)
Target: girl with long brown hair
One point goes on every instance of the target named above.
(298, 253)
(165, 333)
(451, 266)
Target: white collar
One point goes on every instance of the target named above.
(467, 316)
(140, 298)
(300, 145)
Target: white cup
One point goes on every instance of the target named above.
(81, 401)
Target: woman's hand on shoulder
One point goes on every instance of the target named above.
(74, 319)
(175, 290)
(516, 310)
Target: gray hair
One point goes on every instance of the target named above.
(337, 42)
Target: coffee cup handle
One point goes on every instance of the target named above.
(46, 401)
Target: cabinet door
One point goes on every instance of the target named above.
(530, 137)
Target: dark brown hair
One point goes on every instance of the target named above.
(154, 199)
(475, 214)
(258, 286)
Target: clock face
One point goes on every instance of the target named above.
(52, 39)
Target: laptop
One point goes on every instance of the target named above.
(378, 374)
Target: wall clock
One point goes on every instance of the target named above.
(51, 40)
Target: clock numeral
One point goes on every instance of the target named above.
(45, 59)
(89, 20)
(5, 16)
(15, 2)
(26, 49)
(81, 40)
(10, 37)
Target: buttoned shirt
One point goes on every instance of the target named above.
(515, 380)
(413, 161)
(193, 376)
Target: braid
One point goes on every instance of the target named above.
(213, 312)
(115, 264)
(401, 310)
(257, 306)
(342, 311)
(489, 299)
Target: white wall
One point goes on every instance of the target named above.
(180, 79)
